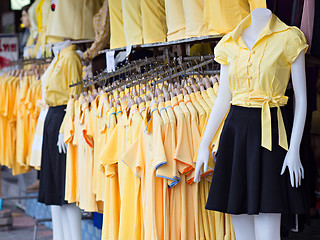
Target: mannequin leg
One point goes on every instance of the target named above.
(57, 223)
(73, 215)
(243, 226)
(66, 224)
(267, 226)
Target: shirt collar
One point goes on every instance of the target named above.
(274, 25)
(71, 48)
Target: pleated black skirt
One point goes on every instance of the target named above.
(246, 178)
(53, 163)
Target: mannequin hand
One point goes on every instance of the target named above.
(292, 161)
(61, 145)
(202, 159)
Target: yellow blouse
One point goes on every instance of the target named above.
(66, 69)
(259, 77)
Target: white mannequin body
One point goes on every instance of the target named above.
(66, 219)
(263, 226)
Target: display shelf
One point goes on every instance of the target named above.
(169, 43)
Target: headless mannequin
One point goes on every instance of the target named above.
(264, 226)
(66, 219)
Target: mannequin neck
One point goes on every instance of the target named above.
(259, 19)
(58, 47)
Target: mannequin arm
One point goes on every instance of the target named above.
(292, 159)
(61, 144)
(218, 112)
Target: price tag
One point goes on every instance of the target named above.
(110, 61)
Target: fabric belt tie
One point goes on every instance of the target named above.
(265, 102)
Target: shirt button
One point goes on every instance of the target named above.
(253, 52)
(249, 77)
(249, 64)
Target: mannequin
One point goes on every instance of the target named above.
(263, 225)
(66, 218)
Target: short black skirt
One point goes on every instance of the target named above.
(246, 178)
(53, 163)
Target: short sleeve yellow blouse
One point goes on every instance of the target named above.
(259, 77)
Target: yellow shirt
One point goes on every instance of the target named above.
(73, 19)
(153, 21)
(183, 151)
(259, 77)
(143, 156)
(212, 94)
(111, 208)
(67, 68)
(87, 174)
(93, 133)
(195, 22)
(207, 99)
(222, 16)
(72, 158)
(175, 20)
(119, 141)
(132, 21)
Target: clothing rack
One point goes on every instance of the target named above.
(28, 61)
(169, 78)
(104, 76)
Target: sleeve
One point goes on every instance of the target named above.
(74, 74)
(159, 155)
(182, 154)
(101, 24)
(91, 124)
(220, 54)
(68, 125)
(109, 153)
(295, 43)
(134, 157)
(87, 137)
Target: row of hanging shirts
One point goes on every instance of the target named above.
(131, 155)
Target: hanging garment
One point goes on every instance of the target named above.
(194, 19)
(117, 37)
(175, 20)
(307, 21)
(222, 16)
(315, 48)
(73, 19)
(132, 21)
(154, 27)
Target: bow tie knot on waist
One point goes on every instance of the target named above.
(266, 130)
(265, 102)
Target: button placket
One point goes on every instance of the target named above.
(249, 70)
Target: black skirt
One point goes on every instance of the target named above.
(246, 178)
(53, 163)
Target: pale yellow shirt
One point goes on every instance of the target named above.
(66, 69)
(259, 77)
(73, 19)
(222, 16)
